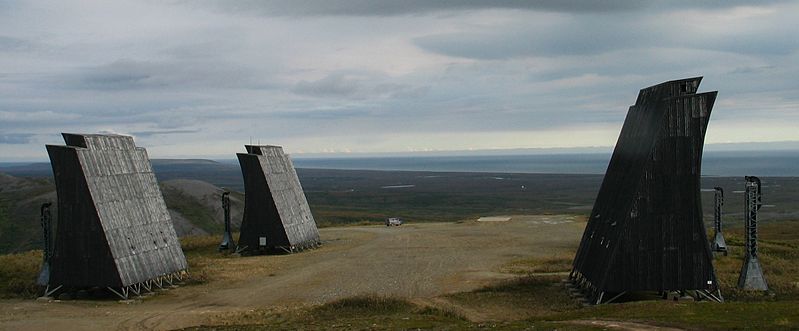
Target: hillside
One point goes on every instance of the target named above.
(195, 207)
(20, 200)
(226, 175)
(192, 192)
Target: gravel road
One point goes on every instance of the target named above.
(413, 261)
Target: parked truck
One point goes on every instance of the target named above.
(393, 221)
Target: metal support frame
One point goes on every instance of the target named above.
(138, 289)
(47, 251)
(227, 237)
(718, 244)
(48, 292)
(615, 297)
(592, 295)
(709, 295)
(294, 248)
(589, 292)
(751, 277)
(123, 295)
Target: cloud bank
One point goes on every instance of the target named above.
(201, 78)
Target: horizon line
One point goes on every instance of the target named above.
(772, 146)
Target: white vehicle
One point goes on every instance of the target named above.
(396, 221)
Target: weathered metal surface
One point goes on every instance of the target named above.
(718, 244)
(751, 277)
(227, 237)
(645, 231)
(276, 212)
(113, 227)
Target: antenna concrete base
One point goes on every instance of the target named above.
(752, 276)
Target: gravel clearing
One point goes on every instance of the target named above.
(412, 261)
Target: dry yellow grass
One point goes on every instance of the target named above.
(18, 274)
(557, 263)
(778, 255)
(207, 265)
(537, 298)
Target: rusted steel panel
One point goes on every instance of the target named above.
(646, 231)
(275, 206)
(113, 226)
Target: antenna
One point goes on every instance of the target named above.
(751, 277)
(44, 275)
(227, 238)
(718, 244)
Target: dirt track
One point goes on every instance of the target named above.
(415, 261)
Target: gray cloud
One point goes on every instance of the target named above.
(325, 114)
(358, 85)
(131, 74)
(577, 39)
(393, 90)
(408, 7)
(380, 75)
(331, 85)
(8, 44)
(600, 34)
(412, 7)
(16, 138)
(781, 42)
(150, 133)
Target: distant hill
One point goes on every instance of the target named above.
(36, 169)
(195, 207)
(20, 200)
(226, 175)
(192, 191)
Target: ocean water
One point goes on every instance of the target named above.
(755, 163)
(715, 163)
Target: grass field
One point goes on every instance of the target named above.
(18, 274)
(542, 303)
(354, 196)
(539, 300)
(532, 297)
(340, 197)
(535, 298)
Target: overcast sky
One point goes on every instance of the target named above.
(202, 78)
